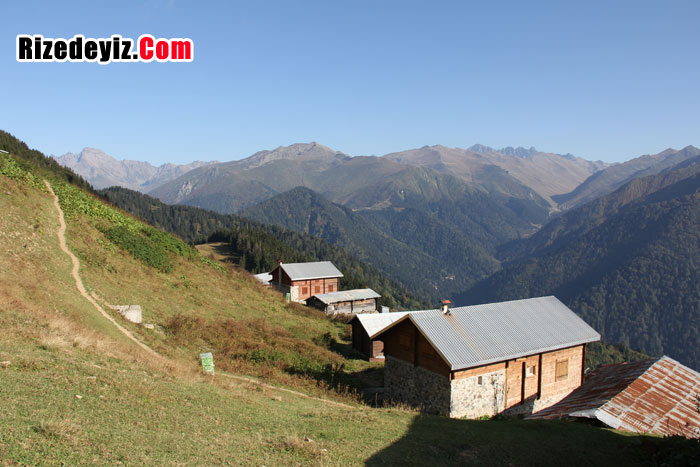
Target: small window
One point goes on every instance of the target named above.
(530, 371)
(317, 289)
(480, 380)
(330, 287)
(405, 340)
(562, 369)
(304, 290)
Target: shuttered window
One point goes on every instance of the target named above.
(562, 369)
(317, 289)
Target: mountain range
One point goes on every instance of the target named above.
(103, 170)
(617, 243)
(627, 262)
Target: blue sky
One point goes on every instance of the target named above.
(602, 80)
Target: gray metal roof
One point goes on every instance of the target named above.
(481, 334)
(305, 271)
(264, 277)
(376, 322)
(347, 295)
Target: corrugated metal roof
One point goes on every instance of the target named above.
(304, 271)
(347, 295)
(481, 334)
(376, 322)
(652, 396)
(264, 277)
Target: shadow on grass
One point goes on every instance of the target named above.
(434, 440)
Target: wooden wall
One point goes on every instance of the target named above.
(406, 343)
(315, 286)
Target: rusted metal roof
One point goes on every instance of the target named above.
(347, 296)
(655, 396)
(478, 335)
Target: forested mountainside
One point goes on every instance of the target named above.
(26, 157)
(431, 258)
(257, 247)
(628, 263)
(609, 179)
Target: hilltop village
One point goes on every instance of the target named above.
(523, 357)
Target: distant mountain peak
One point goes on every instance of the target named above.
(312, 151)
(103, 170)
(508, 151)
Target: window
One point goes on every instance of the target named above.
(405, 340)
(304, 290)
(317, 289)
(330, 287)
(530, 371)
(480, 380)
(562, 369)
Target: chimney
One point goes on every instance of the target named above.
(279, 261)
(445, 307)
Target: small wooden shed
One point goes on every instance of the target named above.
(365, 327)
(346, 301)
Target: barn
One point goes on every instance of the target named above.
(302, 280)
(353, 301)
(657, 395)
(365, 327)
(516, 357)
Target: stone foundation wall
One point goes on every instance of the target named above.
(533, 404)
(416, 386)
(473, 400)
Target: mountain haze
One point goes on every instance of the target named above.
(102, 170)
(544, 173)
(611, 178)
(360, 182)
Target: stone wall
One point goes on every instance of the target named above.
(416, 386)
(473, 400)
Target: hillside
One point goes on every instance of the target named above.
(627, 262)
(257, 247)
(77, 391)
(405, 254)
(609, 179)
(521, 170)
(102, 170)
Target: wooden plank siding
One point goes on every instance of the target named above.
(307, 288)
(406, 343)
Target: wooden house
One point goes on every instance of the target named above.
(354, 301)
(365, 327)
(657, 395)
(515, 357)
(302, 280)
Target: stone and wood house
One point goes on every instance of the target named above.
(353, 301)
(516, 357)
(365, 327)
(302, 280)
